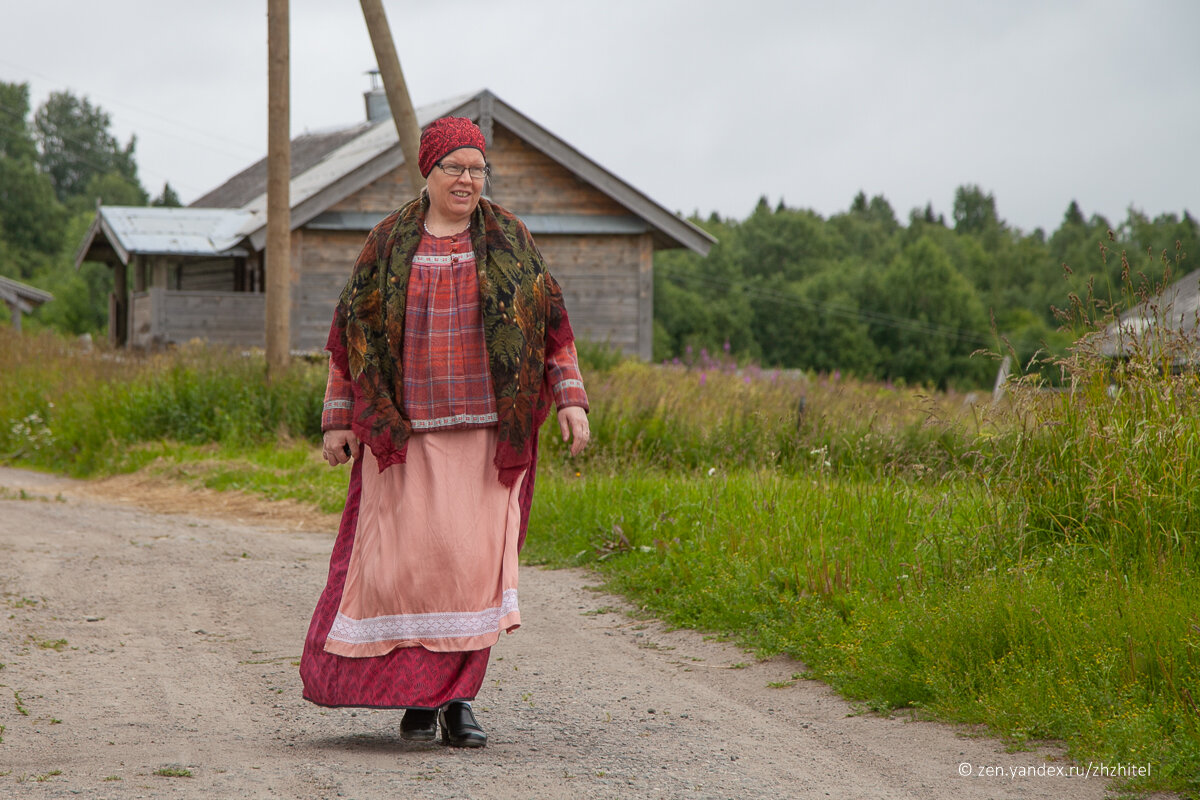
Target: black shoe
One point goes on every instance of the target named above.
(419, 725)
(459, 727)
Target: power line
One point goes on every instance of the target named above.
(114, 102)
(205, 143)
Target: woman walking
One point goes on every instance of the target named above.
(449, 343)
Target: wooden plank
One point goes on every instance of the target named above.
(331, 252)
(605, 286)
(234, 318)
(215, 275)
(383, 195)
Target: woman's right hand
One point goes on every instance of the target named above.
(338, 447)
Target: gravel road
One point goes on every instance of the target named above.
(139, 643)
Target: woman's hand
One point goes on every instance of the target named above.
(338, 447)
(573, 423)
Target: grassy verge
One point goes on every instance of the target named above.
(904, 595)
(287, 470)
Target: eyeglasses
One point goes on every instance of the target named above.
(456, 170)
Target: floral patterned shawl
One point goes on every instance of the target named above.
(524, 319)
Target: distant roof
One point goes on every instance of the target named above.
(1170, 321)
(174, 231)
(22, 295)
(307, 150)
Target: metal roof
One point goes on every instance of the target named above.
(376, 151)
(320, 157)
(306, 150)
(1168, 322)
(168, 231)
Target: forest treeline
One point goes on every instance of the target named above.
(859, 292)
(862, 293)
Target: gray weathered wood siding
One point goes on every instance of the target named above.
(204, 276)
(607, 286)
(326, 258)
(383, 195)
(141, 319)
(527, 181)
(159, 317)
(606, 280)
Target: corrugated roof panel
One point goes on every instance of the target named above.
(176, 231)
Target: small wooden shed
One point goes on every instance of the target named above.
(197, 272)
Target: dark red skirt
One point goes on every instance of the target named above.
(408, 677)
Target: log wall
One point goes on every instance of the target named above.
(607, 286)
(325, 261)
(218, 275)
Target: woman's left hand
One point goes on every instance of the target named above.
(573, 423)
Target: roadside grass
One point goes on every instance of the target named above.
(902, 596)
(1031, 567)
(287, 469)
(84, 411)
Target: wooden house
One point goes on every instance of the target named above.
(197, 272)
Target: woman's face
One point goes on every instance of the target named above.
(454, 199)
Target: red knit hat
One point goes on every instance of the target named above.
(444, 136)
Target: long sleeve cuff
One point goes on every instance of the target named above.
(337, 412)
(566, 381)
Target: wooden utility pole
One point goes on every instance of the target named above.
(279, 168)
(396, 89)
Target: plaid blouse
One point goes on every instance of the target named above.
(446, 379)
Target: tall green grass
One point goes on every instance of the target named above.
(85, 411)
(692, 419)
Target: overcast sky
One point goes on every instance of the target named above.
(703, 105)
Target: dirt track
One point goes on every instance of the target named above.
(183, 630)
